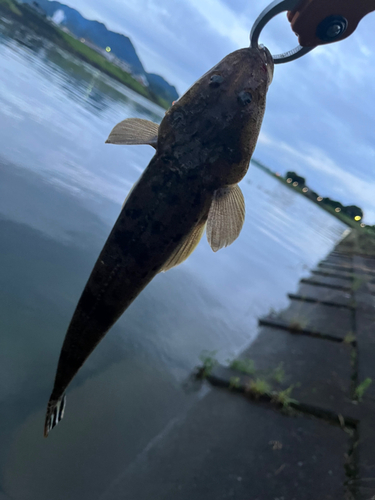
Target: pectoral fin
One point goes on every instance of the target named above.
(186, 248)
(134, 131)
(226, 217)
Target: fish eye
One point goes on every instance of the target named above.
(215, 81)
(245, 98)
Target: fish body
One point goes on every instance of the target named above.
(203, 149)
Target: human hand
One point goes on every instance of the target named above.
(317, 22)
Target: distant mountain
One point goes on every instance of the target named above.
(97, 33)
(161, 87)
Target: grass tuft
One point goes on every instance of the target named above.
(258, 387)
(243, 365)
(362, 388)
(209, 362)
(283, 397)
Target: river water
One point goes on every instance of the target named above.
(61, 189)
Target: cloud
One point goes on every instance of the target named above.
(319, 106)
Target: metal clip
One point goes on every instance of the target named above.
(268, 13)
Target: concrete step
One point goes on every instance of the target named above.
(343, 267)
(330, 280)
(323, 293)
(335, 262)
(333, 273)
(318, 301)
(323, 284)
(315, 319)
(285, 360)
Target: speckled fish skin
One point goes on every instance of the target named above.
(205, 142)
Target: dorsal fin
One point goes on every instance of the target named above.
(186, 248)
(226, 217)
(134, 131)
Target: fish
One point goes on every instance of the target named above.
(203, 148)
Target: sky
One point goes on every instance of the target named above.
(320, 116)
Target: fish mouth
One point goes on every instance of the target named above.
(268, 60)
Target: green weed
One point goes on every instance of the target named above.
(283, 397)
(349, 338)
(258, 387)
(362, 388)
(234, 382)
(209, 362)
(243, 365)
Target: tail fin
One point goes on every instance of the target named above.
(55, 412)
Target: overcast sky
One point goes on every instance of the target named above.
(320, 112)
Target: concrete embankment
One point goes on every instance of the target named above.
(293, 417)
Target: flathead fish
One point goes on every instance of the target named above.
(203, 149)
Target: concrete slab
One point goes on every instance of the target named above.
(4, 497)
(366, 352)
(365, 262)
(364, 286)
(330, 280)
(366, 481)
(231, 448)
(365, 331)
(339, 255)
(364, 270)
(313, 281)
(365, 305)
(320, 370)
(325, 294)
(341, 251)
(315, 318)
(317, 301)
(338, 261)
(333, 273)
(338, 267)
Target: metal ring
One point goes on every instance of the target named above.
(268, 13)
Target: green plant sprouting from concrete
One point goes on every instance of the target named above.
(362, 388)
(209, 362)
(349, 338)
(234, 382)
(247, 366)
(283, 397)
(258, 387)
(243, 365)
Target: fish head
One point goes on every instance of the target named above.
(216, 123)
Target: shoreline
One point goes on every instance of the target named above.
(26, 18)
(340, 216)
